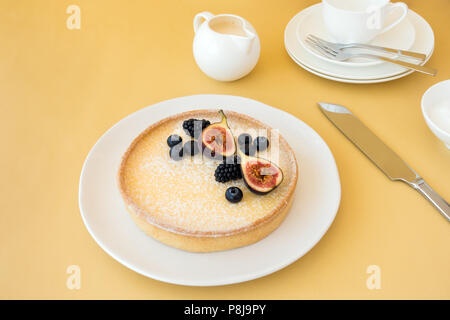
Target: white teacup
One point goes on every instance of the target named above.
(359, 20)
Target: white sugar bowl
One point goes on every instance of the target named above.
(226, 47)
(436, 110)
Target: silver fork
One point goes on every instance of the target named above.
(340, 55)
(399, 53)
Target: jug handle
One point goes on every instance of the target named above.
(200, 18)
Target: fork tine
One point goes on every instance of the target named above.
(325, 48)
(324, 43)
(320, 39)
(316, 47)
(319, 49)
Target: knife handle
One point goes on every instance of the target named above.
(442, 205)
(408, 65)
(411, 54)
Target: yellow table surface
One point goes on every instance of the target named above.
(61, 89)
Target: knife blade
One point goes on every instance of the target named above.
(380, 154)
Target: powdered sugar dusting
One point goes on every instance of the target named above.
(185, 195)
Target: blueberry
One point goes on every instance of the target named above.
(173, 140)
(191, 148)
(261, 143)
(248, 149)
(176, 152)
(234, 194)
(244, 138)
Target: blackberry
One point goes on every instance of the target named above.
(227, 171)
(194, 127)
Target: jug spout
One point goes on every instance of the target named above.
(246, 42)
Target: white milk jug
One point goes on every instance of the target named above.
(226, 47)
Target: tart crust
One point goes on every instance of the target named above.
(207, 240)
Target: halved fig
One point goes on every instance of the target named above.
(260, 175)
(218, 139)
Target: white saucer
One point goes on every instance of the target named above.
(316, 201)
(400, 37)
(423, 43)
(348, 80)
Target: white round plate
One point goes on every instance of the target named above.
(316, 201)
(424, 43)
(401, 37)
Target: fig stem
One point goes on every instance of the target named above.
(224, 118)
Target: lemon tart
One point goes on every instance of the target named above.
(182, 202)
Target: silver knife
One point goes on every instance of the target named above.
(380, 154)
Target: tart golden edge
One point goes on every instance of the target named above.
(149, 224)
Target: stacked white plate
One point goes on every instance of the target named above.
(413, 34)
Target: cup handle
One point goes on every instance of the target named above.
(200, 18)
(403, 16)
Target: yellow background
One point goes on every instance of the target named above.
(61, 89)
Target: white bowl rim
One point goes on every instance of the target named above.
(424, 112)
